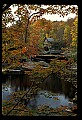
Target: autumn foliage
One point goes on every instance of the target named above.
(26, 35)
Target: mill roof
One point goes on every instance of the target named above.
(49, 40)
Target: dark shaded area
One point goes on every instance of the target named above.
(53, 83)
(5, 7)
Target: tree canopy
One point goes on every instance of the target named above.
(26, 35)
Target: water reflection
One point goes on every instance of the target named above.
(52, 88)
(56, 85)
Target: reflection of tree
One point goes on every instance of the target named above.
(55, 84)
(17, 82)
(21, 82)
(52, 83)
(26, 82)
(4, 78)
(68, 89)
(6, 83)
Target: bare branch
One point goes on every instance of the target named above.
(33, 14)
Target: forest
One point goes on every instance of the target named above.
(25, 38)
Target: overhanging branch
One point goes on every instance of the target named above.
(33, 14)
(28, 24)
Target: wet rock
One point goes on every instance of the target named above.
(70, 102)
(74, 82)
(75, 93)
(75, 85)
(75, 100)
(68, 110)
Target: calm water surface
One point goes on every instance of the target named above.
(52, 88)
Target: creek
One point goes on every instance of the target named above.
(53, 91)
